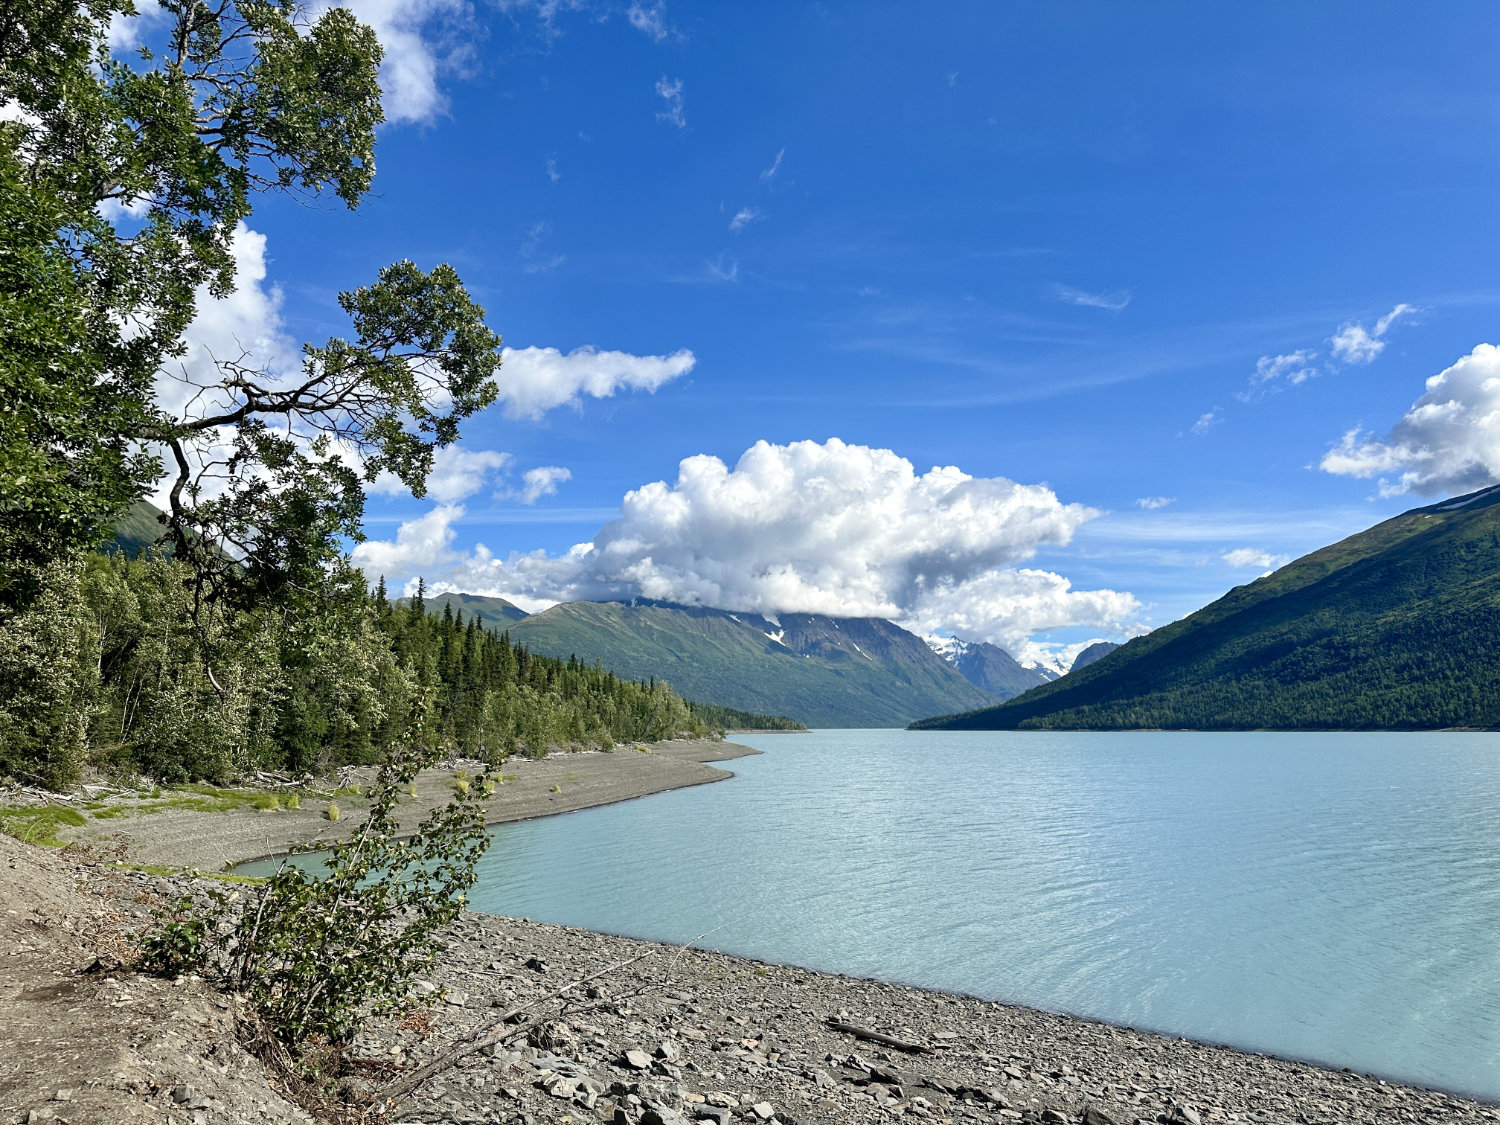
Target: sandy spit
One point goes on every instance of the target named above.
(562, 782)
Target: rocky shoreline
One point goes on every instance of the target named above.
(678, 1036)
(672, 1036)
(691, 1035)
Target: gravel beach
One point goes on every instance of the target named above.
(156, 834)
(675, 1036)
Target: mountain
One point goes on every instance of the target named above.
(1096, 651)
(989, 667)
(136, 529)
(495, 613)
(823, 671)
(1397, 627)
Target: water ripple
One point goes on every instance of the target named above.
(1333, 897)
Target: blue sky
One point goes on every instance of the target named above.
(1052, 243)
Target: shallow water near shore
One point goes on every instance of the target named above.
(1331, 897)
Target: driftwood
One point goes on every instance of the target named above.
(496, 1032)
(880, 1037)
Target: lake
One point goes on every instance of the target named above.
(1333, 897)
(1330, 897)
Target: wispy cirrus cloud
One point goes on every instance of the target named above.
(670, 91)
(1154, 503)
(534, 253)
(743, 218)
(724, 269)
(768, 175)
(1113, 301)
(650, 19)
(1207, 421)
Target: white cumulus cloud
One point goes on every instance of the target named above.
(421, 546)
(422, 40)
(244, 326)
(1353, 343)
(542, 481)
(1242, 557)
(1447, 442)
(457, 473)
(831, 528)
(536, 380)
(1006, 606)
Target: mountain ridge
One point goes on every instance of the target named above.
(1394, 627)
(822, 671)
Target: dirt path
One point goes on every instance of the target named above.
(82, 1047)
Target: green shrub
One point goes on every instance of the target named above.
(314, 954)
(332, 811)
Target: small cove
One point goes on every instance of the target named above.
(1332, 897)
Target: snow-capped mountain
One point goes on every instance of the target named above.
(989, 666)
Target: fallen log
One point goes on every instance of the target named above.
(880, 1037)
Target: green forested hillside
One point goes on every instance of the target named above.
(494, 613)
(731, 718)
(1397, 627)
(823, 671)
(137, 528)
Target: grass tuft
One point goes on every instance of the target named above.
(39, 824)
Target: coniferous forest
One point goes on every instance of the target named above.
(111, 667)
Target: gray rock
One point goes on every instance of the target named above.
(637, 1060)
(718, 1114)
(1093, 1115)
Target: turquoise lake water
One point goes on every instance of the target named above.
(1333, 897)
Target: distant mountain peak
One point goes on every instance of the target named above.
(989, 666)
(825, 671)
(1096, 651)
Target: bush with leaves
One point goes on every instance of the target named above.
(317, 953)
